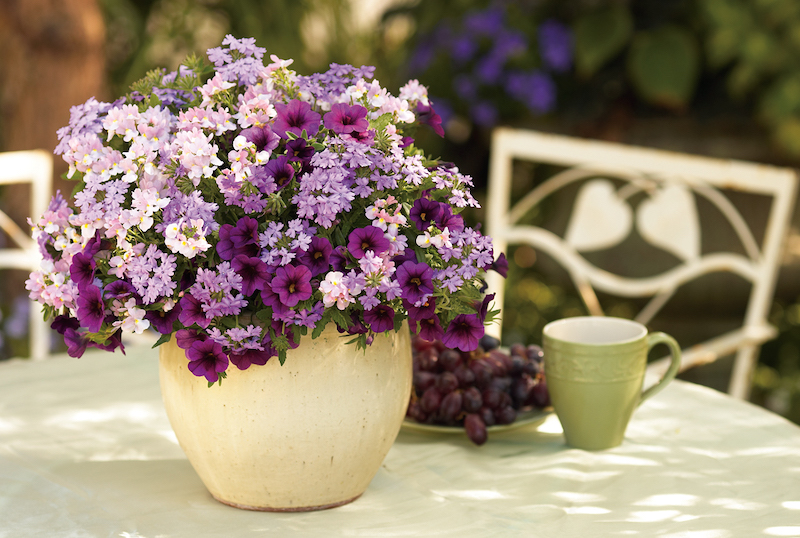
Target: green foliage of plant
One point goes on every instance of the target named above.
(600, 36)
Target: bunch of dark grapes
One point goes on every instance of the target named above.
(477, 389)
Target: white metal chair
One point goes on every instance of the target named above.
(668, 187)
(36, 168)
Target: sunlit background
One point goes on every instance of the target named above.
(711, 77)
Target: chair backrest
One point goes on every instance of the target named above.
(36, 168)
(663, 199)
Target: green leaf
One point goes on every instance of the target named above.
(781, 99)
(787, 135)
(599, 36)
(163, 340)
(663, 65)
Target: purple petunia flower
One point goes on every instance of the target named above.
(296, 117)
(192, 312)
(416, 313)
(163, 321)
(430, 329)
(186, 337)
(292, 284)
(245, 358)
(464, 332)
(555, 45)
(483, 307)
(253, 272)
(82, 269)
(62, 322)
(338, 258)
(317, 257)
(280, 170)
(424, 212)
(500, 265)
(206, 359)
(91, 309)
(380, 318)
(263, 137)
(239, 239)
(76, 343)
(121, 289)
(416, 281)
(446, 219)
(367, 238)
(345, 119)
(428, 116)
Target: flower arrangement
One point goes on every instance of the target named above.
(239, 206)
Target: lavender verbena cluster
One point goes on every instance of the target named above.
(240, 210)
(492, 60)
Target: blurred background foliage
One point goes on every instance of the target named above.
(714, 77)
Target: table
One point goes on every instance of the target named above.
(86, 450)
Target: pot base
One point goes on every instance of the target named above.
(289, 509)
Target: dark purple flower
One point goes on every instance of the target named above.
(245, 358)
(206, 358)
(186, 337)
(344, 118)
(446, 219)
(76, 343)
(356, 325)
(317, 257)
(408, 255)
(239, 239)
(555, 45)
(91, 309)
(485, 22)
(121, 289)
(162, 321)
(271, 298)
(483, 307)
(405, 142)
(280, 170)
(535, 89)
(62, 322)
(428, 116)
(367, 238)
(484, 113)
(82, 269)
(430, 329)
(114, 341)
(426, 311)
(298, 150)
(424, 212)
(192, 312)
(464, 332)
(339, 258)
(292, 284)
(500, 265)
(262, 137)
(296, 117)
(380, 318)
(416, 281)
(253, 272)
(489, 69)
(364, 137)
(463, 48)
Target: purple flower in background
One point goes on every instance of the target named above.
(206, 359)
(555, 45)
(280, 170)
(344, 118)
(253, 272)
(424, 212)
(162, 321)
(192, 312)
(186, 337)
(464, 87)
(483, 307)
(82, 269)
(486, 22)
(463, 48)
(489, 69)
(535, 89)
(416, 281)
(317, 257)
(464, 332)
(380, 318)
(500, 265)
(296, 117)
(367, 238)
(263, 137)
(292, 284)
(484, 113)
(91, 309)
(239, 239)
(509, 43)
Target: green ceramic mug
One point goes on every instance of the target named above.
(595, 370)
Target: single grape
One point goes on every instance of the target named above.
(450, 359)
(466, 378)
(420, 344)
(517, 363)
(488, 416)
(472, 400)
(450, 407)
(476, 428)
(428, 360)
(505, 400)
(539, 395)
(482, 371)
(519, 391)
(531, 368)
(497, 364)
(491, 398)
(430, 400)
(423, 380)
(505, 415)
(415, 411)
(519, 350)
(501, 384)
(446, 382)
(535, 353)
(488, 342)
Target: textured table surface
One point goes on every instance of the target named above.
(86, 450)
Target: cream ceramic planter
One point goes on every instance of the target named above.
(308, 435)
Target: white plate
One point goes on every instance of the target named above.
(524, 418)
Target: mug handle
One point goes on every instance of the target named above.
(653, 339)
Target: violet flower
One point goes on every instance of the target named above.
(428, 116)
(192, 312)
(292, 284)
(163, 321)
(345, 119)
(380, 318)
(296, 117)
(263, 137)
(82, 269)
(91, 309)
(430, 329)
(367, 238)
(317, 257)
(186, 337)
(253, 272)
(500, 265)
(206, 359)
(464, 332)
(424, 212)
(245, 358)
(239, 239)
(416, 281)
(280, 170)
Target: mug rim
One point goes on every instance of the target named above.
(549, 327)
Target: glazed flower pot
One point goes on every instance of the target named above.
(308, 435)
